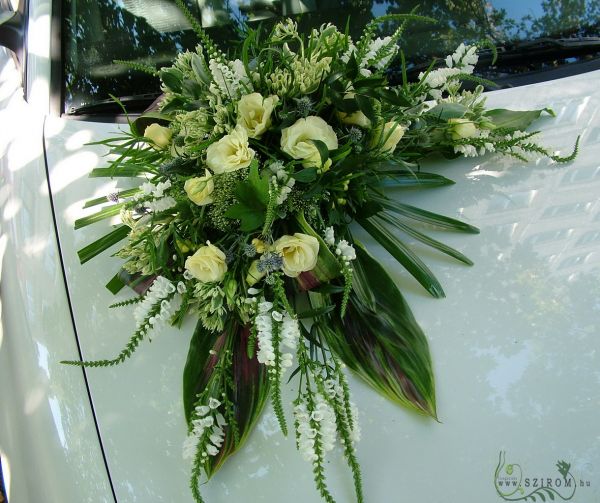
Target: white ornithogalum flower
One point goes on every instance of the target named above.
(162, 204)
(329, 236)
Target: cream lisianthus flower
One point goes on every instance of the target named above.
(299, 253)
(296, 140)
(230, 153)
(207, 264)
(461, 129)
(391, 133)
(159, 136)
(254, 113)
(199, 189)
(356, 118)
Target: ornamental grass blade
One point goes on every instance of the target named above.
(404, 255)
(429, 241)
(250, 390)
(383, 343)
(425, 216)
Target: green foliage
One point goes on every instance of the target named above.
(252, 200)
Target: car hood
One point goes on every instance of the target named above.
(515, 343)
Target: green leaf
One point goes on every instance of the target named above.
(115, 285)
(323, 150)
(121, 171)
(394, 97)
(102, 244)
(404, 255)
(107, 212)
(445, 111)
(199, 68)
(382, 342)
(415, 179)
(191, 89)
(250, 392)
(448, 250)
(252, 197)
(306, 175)
(366, 107)
(511, 119)
(172, 78)
(425, 216)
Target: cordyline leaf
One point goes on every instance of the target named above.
(380, 340)
(250, 389)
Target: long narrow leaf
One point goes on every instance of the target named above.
(415, 179)
(107, 212)
(428, 217)
(413, 264)
(434, 243)
(105, 242)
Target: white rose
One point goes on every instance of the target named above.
(230, 153)
(299, 253)
(207, 264)
(159, 136)
(391, 134)
(254, 113)
(199, 189)
(462, 128)
(296, 140)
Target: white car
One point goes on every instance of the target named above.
(515, 343)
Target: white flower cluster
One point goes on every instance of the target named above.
(312, 424)
(229, 80)
(207, 417)
(289, 330)
(158, 292)
(162, 204)
(281, 181)
(345, 251)
(462, 61)
(329, 236)
(160, 201)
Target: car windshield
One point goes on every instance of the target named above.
(98, 33)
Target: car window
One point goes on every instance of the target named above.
(531, 35)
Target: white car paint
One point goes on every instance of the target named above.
(515, 344)
(48, 441)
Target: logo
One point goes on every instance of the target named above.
(512, 484)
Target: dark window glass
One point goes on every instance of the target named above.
(97, 32)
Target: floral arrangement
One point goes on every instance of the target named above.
(249, 179)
